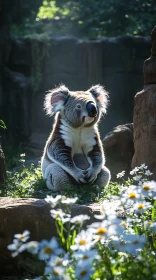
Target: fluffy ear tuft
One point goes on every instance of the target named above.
(55, 100)
(101, 96)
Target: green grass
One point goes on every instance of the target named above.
(28, 183)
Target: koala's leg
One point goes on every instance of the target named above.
(103, 178)
(56, 178)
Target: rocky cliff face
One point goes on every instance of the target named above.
(145, 115)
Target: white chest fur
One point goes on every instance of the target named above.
(81, 140)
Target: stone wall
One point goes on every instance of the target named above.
(115, 63)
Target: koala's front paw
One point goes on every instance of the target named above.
(90, 175)
(80, 176)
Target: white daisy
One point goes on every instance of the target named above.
(23, 236)
(83, 241)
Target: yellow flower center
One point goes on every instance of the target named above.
(101, 230)
(48, 250)
(135, 242)
(132, 195)
(83, 273)
(57, 214)
(55, 272)
(149, 223)
(123, 224)
(64, 197)
(59, 262)
(146, 188)
(82, 242)
(22, 236)
(102, 209)
(141, 206)
(85, 257)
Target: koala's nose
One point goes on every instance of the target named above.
(91, 109)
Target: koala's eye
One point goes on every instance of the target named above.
(78, 106)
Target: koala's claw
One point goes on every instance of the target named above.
(90, 176)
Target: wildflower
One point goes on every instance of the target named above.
(23, 237)
(134, 171)
(149, 189)
(16, 247)
(32, 247)
(107, 209)
(66, 218)
(107, 228)
(22, 155)
(148, 173)
(129, 243)
(140, 207)
(68, 201)
(136, 243)
(56, 272)
(57, 214)
(79, 219)
(83, 241)
(130, 196)
(121, 174)
(150, 225)
(143, 166)
(87, 255)
(137, 177)
(47, 249)
(53, 201)
(84, 271)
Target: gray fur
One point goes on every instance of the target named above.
(75, 139)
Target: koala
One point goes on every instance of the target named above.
(73, 154)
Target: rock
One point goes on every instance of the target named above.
(16, 215)
(150, 63)
(119, 149)
(145, 115)
(18, 106)
(2, 166)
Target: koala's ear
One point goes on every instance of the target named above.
(101, 96)
(55, 100)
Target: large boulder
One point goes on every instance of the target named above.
(16, 215)
(145, 115)
(119, 149)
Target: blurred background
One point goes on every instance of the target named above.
(78, 43)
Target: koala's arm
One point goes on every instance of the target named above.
(97, 159)
(58, 152)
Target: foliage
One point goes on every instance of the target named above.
(110, 248)
(90, 18)
(103, 18)
(2, 124)
(25, 182)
